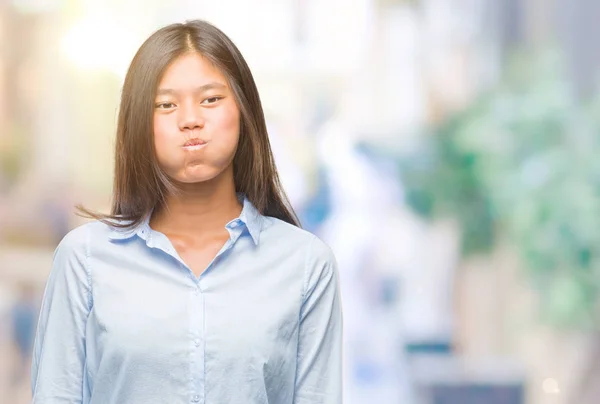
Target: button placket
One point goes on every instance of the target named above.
(197, 335)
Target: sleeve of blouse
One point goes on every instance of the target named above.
(58, 359)
(319, 365)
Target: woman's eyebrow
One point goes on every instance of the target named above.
(201, 89)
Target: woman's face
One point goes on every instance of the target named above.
(196, 120)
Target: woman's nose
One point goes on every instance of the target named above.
(191, 118)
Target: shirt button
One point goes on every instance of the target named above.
(196, 398)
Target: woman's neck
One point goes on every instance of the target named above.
(197, 208)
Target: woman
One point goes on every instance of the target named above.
(199, 287)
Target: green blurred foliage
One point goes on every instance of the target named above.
(14, 147)
(522, 163)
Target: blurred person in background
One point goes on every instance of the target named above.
(56, 206)
(360, 198)
(23, 318)
(199, 286)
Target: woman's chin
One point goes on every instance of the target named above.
(195, 179)
(196, 176)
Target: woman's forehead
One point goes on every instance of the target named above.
(192, 71)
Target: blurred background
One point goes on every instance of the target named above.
(445, 149)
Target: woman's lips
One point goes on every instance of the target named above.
(194, 144)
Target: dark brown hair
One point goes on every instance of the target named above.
(140, 184)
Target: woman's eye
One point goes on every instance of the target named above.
(165, 105)
(211, 100)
